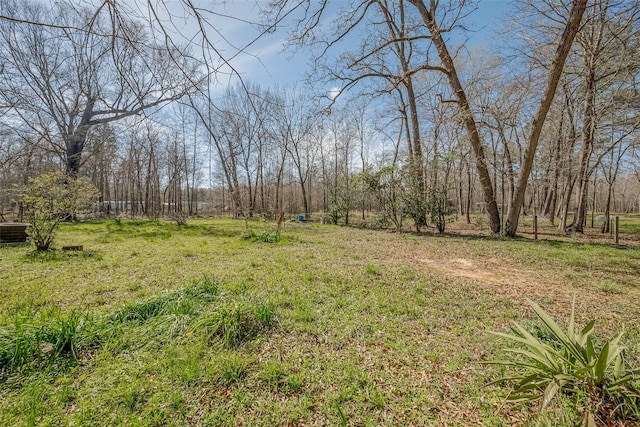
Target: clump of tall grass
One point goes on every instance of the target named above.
(178, 302)
(263, 236)
(229, 367)
(35, 337)
(235, 322)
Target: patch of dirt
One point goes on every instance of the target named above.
(495, 275)
(507, 279)
(461, 267)
(461, 256)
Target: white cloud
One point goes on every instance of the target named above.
(334, 92)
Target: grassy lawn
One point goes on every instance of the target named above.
(197, 325)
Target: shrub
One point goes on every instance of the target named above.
(338, 209)
(558, 363)
(385, 186)
(181, 218)
(439, 207)
(51, 198)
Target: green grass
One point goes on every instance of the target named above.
(263, 236)
(196, 325)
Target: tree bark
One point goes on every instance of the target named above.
(586, 149)
(449, 70)
(566, 41)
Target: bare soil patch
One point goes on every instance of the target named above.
(457, 257)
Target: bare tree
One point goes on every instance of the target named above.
(297, 122)
(63, 80)
(608, 60)
(555, 72)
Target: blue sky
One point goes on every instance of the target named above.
(267, 63)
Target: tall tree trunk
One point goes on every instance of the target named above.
(465, 111)
(550, 202)
(566, 41)
(468, 201)
(509, 167)
(76, 138)
(607, 209)
(588, 132)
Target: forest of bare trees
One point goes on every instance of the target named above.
(421, 124)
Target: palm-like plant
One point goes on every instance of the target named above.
(570, 364)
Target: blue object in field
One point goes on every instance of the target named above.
(300, 218)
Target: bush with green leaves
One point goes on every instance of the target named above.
(51, 198)
(413, 195)
(400, 193)
(385, 186)
(439, 208)
(338, 209)
(553, 364)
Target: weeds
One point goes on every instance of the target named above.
(230, 367)
(179, 302)
(37, 337)
(608, 288)
(63, 333)
(295, 382)
(567, 364)
(236, 323)
(261, 236)
(142, 311)
(397, 348)
(40, 336)
(264, 314)
(273, 373)
(372, 270)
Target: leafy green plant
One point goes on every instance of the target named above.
(273, 373)
(264, 314)
(413, 200)
(207, 288)
(143, 310)
(340, 412)
(51, 198)
(295, 382)
(181, 302)
(558, 363)
(608, 288)
(261, 236)
(439, 208)
(20, 344)
(372, 270)
(385, 185)
(63, 332)
(338, 209)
